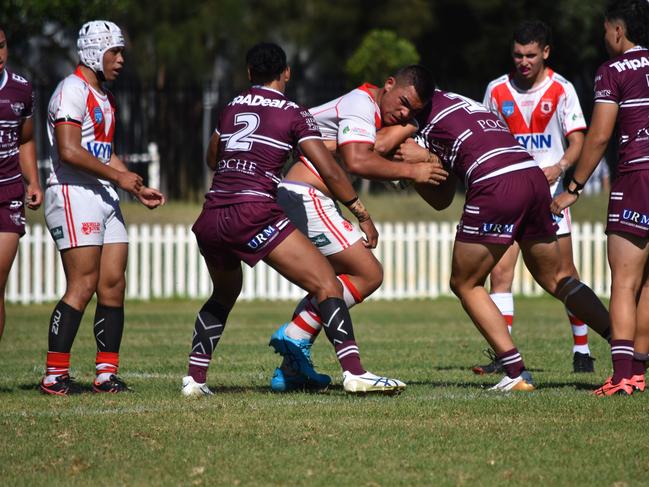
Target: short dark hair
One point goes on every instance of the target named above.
(533, 31)
(635, 15)
(266, 61)
(419, 77)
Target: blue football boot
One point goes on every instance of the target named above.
(298, 355)
(286, 382)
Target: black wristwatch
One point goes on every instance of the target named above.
(578, 187)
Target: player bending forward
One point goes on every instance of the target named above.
(507, 200)
(241, 220)
(349, 125)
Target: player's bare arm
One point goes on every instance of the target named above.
(68, 138)
(569, 158)
(338, 183)
(149, 197)
(212, 156)
(388, 139)
(28, 165)
(412, 153)
(361, 160)
(599, 133)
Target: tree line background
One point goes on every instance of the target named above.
(185, 59)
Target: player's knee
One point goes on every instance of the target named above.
(456, 286)
(112, 290)
(80, 291)
(374, 280)
(328, 287)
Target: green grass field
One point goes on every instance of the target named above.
(445, 429)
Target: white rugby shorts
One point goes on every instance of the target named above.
(565, 223)
(79, 216)
(317, 216)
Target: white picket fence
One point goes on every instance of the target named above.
(164, 261)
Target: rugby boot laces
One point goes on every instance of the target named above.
(622, 388)
(113, 385)
(63, 385)
(191, 388)
(522, 383)
(371, 383)
(493, 367)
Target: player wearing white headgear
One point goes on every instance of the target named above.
(82, 209)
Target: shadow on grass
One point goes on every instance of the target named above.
(479, 386)
(469, 367)
(83, 388)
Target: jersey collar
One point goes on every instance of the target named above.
(543, 85)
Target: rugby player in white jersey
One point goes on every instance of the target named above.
(542, 110)
(349, 125)
(82, 209)
(17, 164)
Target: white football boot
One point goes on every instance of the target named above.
(191, 388)
(520, 383)
(370, 383)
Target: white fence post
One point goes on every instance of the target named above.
(165, 262)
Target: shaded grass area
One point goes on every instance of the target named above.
(446, 429)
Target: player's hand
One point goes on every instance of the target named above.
(428, 173)
(552, 173)
(150, 197)
(411, 152)
(129, 181)
(371, 233)
(34, 195)
(562, 201)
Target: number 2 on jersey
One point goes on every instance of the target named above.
(241, 140)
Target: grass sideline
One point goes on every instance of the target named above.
(385, 207)
(446, 429)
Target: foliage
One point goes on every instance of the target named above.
(379, 55)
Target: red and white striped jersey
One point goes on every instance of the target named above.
(75, 102)
(353, 117)
(540, 118)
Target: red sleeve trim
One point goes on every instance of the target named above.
(579, 129)
(357, 142)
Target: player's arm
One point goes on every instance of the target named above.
(68, 137)
(212, 155)
(338, 183)
(361, 160)
(388, 139)
(599, 133)
(149, 197)
(575, 144)
(28, 164)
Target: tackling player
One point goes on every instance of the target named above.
(82, 209)
(622, 96)
(242, 221)
(542, 110)
(17, 164)
(507, 200)
(349, 126)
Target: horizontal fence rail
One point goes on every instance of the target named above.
(164, 262)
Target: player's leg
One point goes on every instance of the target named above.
(314, 274)
(641, 340)
(472, 263)
(8, 249)
(627, 256)
(501, 279)
(581, 359)
(227, 280)
(360, 274)
(108, 325)
(81, 267)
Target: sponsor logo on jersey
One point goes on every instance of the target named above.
(491, 124)
(101, 150)
(15, 204)
(348, 226)
(57, 233)
(18, 107)
(17, 219)
(535, 141)
(633, 64)
(98, 115)
(262, 238)
(236, 165)
(546, 106)
(90, 227)
(636, 217)
(262, 101)
(497, 228)
(508, 108)
(320, 240)
(647, 78)
(602, 93)
(18, 78)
